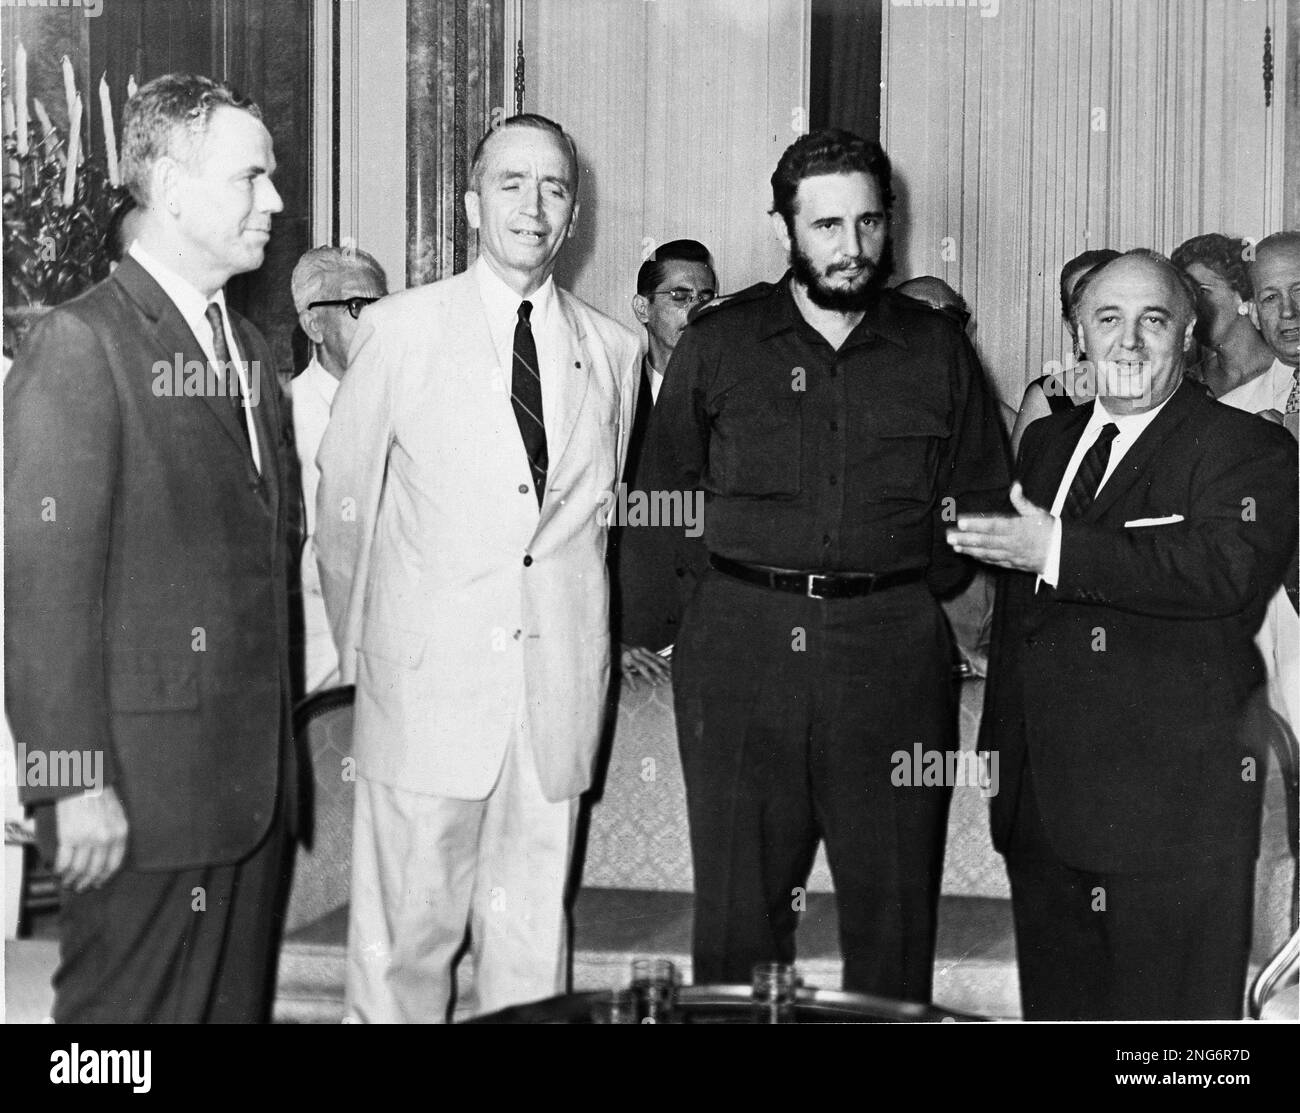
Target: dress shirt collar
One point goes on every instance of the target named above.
(654, 378)
(315, 377)
(502, 303)
(184, 295)
(877, 320)
(1130, 425)
(1281, 377)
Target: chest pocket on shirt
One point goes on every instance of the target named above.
(905, 442)
(760, 442)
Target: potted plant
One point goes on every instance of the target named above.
(55, 222)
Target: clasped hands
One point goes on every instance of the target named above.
(1020, 541)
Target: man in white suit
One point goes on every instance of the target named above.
(473, 453)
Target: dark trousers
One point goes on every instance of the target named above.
(789, 713)
(176, 947)
(1162, 945)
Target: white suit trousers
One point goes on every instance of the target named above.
(424, 868)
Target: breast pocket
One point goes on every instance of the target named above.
(905, 443)
(761, 447)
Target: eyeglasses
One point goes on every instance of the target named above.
(680, 295)
(355, 305)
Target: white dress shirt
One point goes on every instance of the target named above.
(656, 380)
(193, 306)
(1268, 391)
(1130, 427)
(312, 395)
(502, 306)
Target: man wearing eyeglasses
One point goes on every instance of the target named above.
(676, 278)
(331, 285)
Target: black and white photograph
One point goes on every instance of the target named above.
(551, 512)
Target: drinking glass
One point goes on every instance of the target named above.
(774, 993)
(654, 984)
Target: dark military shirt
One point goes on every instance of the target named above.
(822, 460)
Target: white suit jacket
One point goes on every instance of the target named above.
(461, 611)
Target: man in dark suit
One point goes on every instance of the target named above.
(677, 277)
(146, 557)
(1124, 683)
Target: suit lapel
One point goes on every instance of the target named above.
(1041, 476)
(1138, 457)
(175, 338)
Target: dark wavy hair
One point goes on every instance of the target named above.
(169, 117)
(1222, 255)
(828, 151)
(675, 251)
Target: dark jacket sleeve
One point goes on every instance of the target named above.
(659, 565)
(974, 469)
(61, 455)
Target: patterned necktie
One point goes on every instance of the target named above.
(226, 365)
(1293, 399)
(1083, 488)
(526, 397)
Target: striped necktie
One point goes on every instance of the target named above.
(1087, 480)
(526, 397)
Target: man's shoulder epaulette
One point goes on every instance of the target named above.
(756, 292)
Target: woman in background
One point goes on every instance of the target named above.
(1233, 351)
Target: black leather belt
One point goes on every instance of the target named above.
(816, 585)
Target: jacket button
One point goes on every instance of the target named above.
(523, 488)
(528, 561)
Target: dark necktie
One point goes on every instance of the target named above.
(1083, 489)
(526, 396)
(226, 365)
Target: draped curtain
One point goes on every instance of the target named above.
(680, 109)
(1024, 137)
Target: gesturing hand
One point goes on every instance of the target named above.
(1018, 541)
(92, 839)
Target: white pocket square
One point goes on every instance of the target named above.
(1168, 520)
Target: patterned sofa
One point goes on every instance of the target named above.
(638, 835)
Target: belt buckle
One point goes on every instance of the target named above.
(811, 590)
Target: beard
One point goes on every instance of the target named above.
(853, 298)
